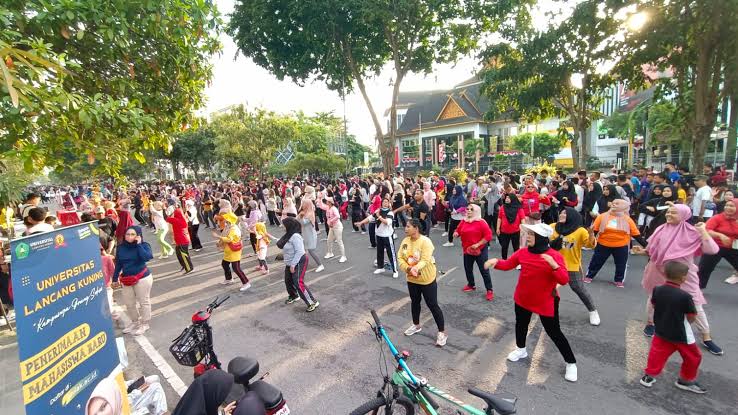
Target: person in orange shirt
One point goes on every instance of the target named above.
(614, 229)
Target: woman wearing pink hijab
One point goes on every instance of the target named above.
(677, 240)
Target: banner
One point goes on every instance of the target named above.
(441, 152)
(66, 342)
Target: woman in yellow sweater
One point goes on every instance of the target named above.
(569, 237)
(416, 260)
(230, 241)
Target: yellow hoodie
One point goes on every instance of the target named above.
(418, 253)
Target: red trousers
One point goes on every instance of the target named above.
(662, 349)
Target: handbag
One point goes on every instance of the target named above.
(473, 251)
(235, 246)
(129, 280)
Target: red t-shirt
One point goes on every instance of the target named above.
(179, 228)
(536, 287)
(473, 232)
(507, 227)
(721, 223)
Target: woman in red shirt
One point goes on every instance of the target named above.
(508, 223)
(542, 269)
(723, 228)
(475, 234)
(531, 200)
(181, 239)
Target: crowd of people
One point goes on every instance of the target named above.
(686, 224)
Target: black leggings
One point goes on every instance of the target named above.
(452, 228)
(236, 265)
(550, 324)
(385, 243)
(709, 262)
(183, 256)
(505, 239)
(273, 219)
(252, 239)
(430, 293)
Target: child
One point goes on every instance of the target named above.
(674, 310)
(52, 220)
(263, 238)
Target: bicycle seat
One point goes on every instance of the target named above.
(243, 369)
(503, 406)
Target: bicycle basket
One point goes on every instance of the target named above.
(190, 347)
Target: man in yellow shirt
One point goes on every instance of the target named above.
(415, 258)
(569, 238)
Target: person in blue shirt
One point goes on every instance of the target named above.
(672, 172)
(131, 271)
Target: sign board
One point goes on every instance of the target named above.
(66, 342)
(441, 152)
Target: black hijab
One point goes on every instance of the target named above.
(291, 226)
(540, 246)
(206, 393)
(613, 190)
(573, 222)
(592, 197)
(570, 194)
(511, 209)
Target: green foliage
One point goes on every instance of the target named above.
(458, 175)
(315, 164)
(529, 73)
(13, 181)
(194, 149)
(105, 80)
(544, 145)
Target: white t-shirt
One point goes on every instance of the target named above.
(703, 193)
(580, 197)
(193, 216)
(383, 229)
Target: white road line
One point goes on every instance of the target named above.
(174, 380)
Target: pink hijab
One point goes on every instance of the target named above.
(674, 241)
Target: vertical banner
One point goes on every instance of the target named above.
(441, 152)
(66, 342)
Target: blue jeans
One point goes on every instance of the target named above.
(601, 253)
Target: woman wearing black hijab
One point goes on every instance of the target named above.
(508, 223)
(206, 394)
(609, 193)
(594, 193)
(656, 209)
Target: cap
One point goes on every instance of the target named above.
(540, 229)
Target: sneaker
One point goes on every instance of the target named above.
(412, 330)
(131, 328)
(519, 267)
(320, 268)
(371, 247)
(448, 244)
(594, 318)
(363, 233)
(394, 236)
(198, 250)
(441, 339)
(490, 295)
(693, 387)
(619, 284)
(444, 234)
(712, 347)
(647, 381)
(733, 279)
(140, 330)
(517, 354)
(375, 262)
(395, 275)
(290, 300)
(379, 271)
(587, 280)
(313, 306)
(226, 282)
(328, 256)
(162, 257)
(468, 288)
(245, 287)
(649, 330)
(571, 372)
(343, 259)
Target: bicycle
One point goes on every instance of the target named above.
(194, 346)
(403, 390)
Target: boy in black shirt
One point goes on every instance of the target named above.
(674, 310)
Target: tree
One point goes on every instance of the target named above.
(253, 137)
(316, 164)
(544, 145)
(102, 79)
(194, 149)
(534, 75)
(684, 48)
(344, 42)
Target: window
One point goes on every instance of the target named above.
(400, 117)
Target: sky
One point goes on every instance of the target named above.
(238, 80)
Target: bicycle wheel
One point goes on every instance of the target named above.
(378, 406)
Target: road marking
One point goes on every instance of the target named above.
(172, 378)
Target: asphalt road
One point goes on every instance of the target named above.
(327, 362)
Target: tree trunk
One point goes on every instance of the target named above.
(574, 145)
(388, 159)
(584, 144)
(699, 146)
(732, 133)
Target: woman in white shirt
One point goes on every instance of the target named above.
(162, 227)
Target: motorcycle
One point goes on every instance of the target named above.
(194, 348)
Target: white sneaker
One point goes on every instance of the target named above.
(448, 244)
(571, 372)
(518, 267)
(412, 330)
(444, 234)
(226, 282)
(375, 262)
(517, 354)
(245, 287)
(320, 268)
(379, 271)
(594, 318)
(162, 257)
(733, 279)
(363, 233)
(394, 236)
(395, 275)
(140, 330)
(441, 339)
(131, 328)
(328, 256)
(342, 259)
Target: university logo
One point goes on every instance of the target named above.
(59, 241)
(22, 250)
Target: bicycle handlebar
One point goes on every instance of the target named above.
(393, 350)
(376, 319)
(215, 304)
